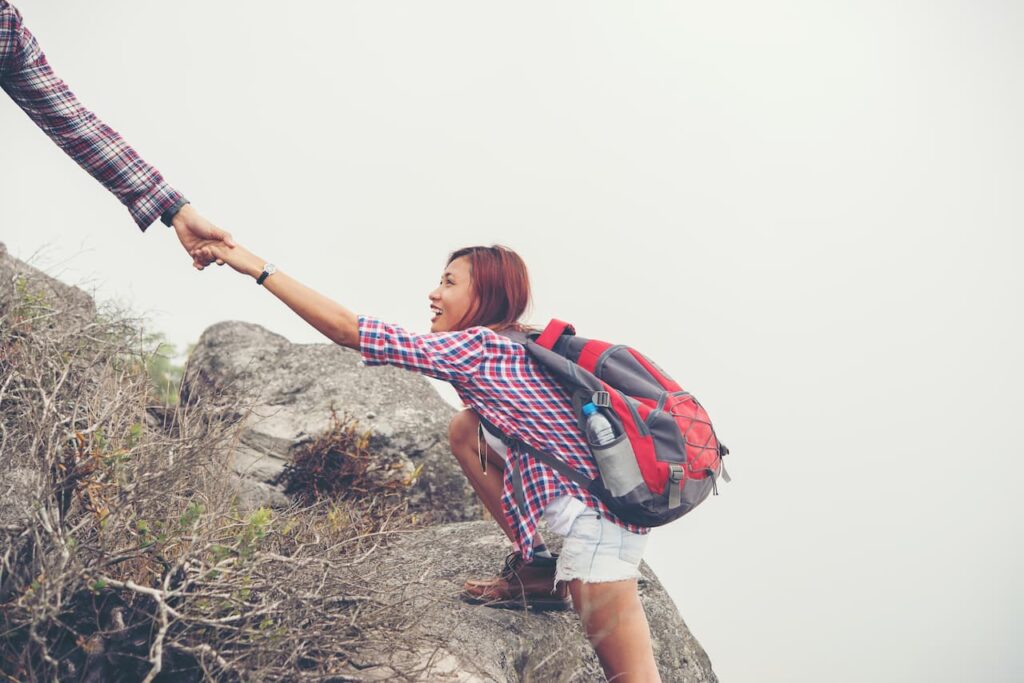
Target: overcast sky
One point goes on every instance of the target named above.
(809, 213)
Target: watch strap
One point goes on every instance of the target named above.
(268, 270)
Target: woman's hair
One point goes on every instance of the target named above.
(501, 285)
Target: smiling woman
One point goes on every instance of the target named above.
(452, 301)
(482, 292)
(481, 286)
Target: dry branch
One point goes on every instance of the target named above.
(125, 555)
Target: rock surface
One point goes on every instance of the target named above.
(426, 569)
(292, 388)
(18, 278)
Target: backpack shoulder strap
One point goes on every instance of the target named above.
(547, 339)
(555, 329)
(551, 461)
(563, 468)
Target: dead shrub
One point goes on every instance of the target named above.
(123, 553)
(333, 465)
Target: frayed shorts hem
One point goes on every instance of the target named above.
(599, 551)
(559, 578)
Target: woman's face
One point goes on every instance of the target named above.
(453, 298)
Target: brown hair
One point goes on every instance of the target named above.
(501, 285)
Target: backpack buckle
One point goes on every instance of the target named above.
(676, 474)
(602, 399)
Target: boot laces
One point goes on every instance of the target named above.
(513, 562)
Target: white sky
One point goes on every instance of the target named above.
(809, 212)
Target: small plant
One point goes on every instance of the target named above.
(164, 373)
(334, 465)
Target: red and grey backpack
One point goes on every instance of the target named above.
(665, 458)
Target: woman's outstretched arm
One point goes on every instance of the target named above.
(330, 318)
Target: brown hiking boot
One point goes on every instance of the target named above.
(520, 585)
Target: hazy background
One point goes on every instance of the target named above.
(810, 213)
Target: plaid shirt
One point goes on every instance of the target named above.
(496, 378)
(28, 79)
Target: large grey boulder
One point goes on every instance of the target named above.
(458, 641)
(291, 389)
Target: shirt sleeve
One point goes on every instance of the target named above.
(448, 356)
(30, 81)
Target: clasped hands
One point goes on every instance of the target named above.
(207, 244)
(235, 255)
(193, 231)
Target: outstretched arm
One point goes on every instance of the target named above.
(330, 318)
(27, 77)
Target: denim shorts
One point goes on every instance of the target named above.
(598, 551)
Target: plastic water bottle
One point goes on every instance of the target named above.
(599, 429)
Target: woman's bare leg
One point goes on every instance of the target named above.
(462, 436)
(616, 626)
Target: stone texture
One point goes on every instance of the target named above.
(426, 570)
(18, 278)
(291, 389)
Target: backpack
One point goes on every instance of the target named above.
(665, 458)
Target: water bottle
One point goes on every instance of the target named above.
(599, 429)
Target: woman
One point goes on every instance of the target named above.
(483, 291)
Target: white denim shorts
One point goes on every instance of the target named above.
(598, 551)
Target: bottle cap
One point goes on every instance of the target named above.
(589, 409)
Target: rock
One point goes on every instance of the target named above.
(292, 388)
(425, 570)
(18, 279)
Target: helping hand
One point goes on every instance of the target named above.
(192, 229)
(236, 256)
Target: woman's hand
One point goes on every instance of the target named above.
(238, 257)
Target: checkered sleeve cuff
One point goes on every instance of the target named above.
(147, 208)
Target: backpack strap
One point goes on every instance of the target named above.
(722, 452)
(563, 468)
(555, 329)
(518, 488)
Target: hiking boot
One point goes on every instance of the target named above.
(520, 585)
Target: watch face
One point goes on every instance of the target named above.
(270, 268)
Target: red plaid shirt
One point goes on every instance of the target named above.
(496, 378)
(28, 79)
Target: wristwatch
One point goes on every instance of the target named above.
(268, 270)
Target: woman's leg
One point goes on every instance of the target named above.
(616, 626)
(518, 584)
(462, 436)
